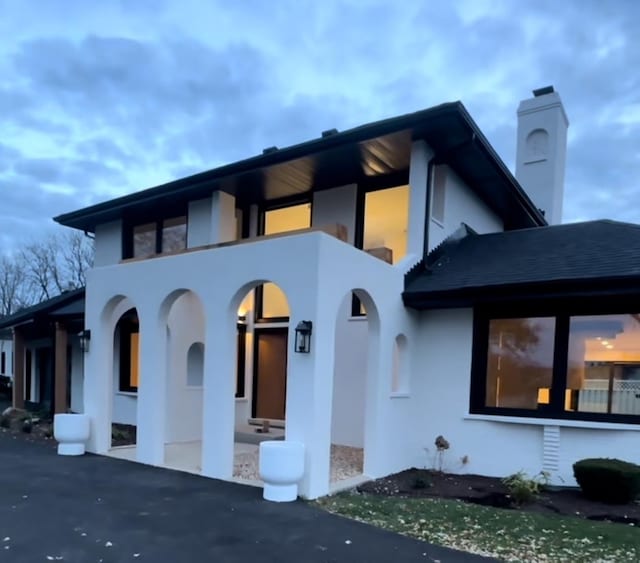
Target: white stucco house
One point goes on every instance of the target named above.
(443, 296)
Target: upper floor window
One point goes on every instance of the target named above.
(562, 366)
(386, 222)
(156, 237)
(271, 301)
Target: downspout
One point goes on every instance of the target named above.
(427, 210)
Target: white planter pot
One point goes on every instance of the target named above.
(281, 466)
(71, 431)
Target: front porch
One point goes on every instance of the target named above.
(184, 400)
(346, 462)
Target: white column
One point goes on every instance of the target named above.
(223, 217)
(218, 415)
(421, 154)
(151, 388)
(98, 369)
(379, 367)
(310, 391)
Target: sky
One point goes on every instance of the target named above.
(102, 99)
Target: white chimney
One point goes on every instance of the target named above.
(542, 151)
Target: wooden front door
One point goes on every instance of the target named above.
(270, 373)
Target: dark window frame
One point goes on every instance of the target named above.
(127, 325)
(241, 365)
(3, 363)
(562, 313)
(358, 237)
(131, 223)
(282, 203)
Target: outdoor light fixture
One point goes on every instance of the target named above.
(303, 337)
(242, 319)
(85, 338)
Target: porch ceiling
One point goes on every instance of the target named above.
(374, 154)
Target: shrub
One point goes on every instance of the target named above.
(524, 490)
(608, 480)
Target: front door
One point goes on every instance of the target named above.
(270, 373)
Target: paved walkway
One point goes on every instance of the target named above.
(97, 509)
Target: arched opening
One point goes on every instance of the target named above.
(400, 369)
(125, 377)
(356, 346)
(195, 365)
(262, 327)
(183, 318)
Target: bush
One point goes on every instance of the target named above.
(524, 490)
(608, 480)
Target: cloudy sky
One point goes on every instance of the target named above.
(103, 99)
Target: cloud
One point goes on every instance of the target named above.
(130, 97)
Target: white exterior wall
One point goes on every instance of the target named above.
(77, 375)
(184, 403)
(337, 205)
(462, 205)
(108, 244)
(495, 446)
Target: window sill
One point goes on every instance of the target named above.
(400, 395)
(586, 424)
(241, 399)
(127, 394)
(358, 318)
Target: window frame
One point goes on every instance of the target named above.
(555, 409)
(358, 236)
(127, 325)
(282, 203)
(131, 223)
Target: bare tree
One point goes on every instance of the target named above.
(12, 286)
(43, 269)
(77, 258)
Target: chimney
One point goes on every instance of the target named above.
(542, 151)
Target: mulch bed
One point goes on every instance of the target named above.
(489, 491)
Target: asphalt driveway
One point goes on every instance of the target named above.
(96, 509)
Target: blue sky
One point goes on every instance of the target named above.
(102, 99)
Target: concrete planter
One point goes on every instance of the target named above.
(281, 467)
(71, 431)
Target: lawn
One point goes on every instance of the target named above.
(508, 535)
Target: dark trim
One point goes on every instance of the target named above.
(442, 127)
(126, 326)
(560, 364)
(562, 292)
(427, 208)
(129, 224)
(242, 361)
(256, 333)
(556, 408)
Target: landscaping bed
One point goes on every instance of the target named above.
(490, 491)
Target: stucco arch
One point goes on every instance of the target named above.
(355, 377)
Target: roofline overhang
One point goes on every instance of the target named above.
(87, 218)
(549, 290)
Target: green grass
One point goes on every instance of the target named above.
(509, 535)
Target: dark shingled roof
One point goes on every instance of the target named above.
(67, 303)
(572, 259)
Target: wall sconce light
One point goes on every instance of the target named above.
(303, 337)
(85, 338)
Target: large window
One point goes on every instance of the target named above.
(156, 237)
(272, 302)
(386, 220)
(563, 366)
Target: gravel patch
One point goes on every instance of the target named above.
(346, 462)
